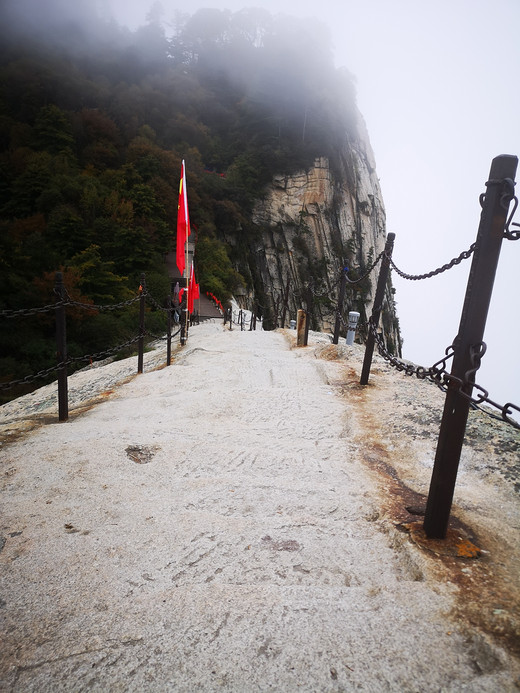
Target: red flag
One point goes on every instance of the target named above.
(183, 222)
(191, 289)
(197, 292)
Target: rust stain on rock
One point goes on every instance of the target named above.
(455, 544)
(481, 565)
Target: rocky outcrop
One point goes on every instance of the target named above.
(312, 224)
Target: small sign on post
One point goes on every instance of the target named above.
(353, 318)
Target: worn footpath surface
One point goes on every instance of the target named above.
(248, 519)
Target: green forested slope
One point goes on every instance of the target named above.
(94, 123)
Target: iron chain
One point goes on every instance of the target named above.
(156, 303)
(94, 306)
(456, 261)
(439, 375)
(75, 359)
(7, 313)
(369, 270)
(512, 235)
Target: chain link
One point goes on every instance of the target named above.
(103, 354)
(156, 303)
(70, 361)
(439, 375)
(163, 338)
(512, 235)
(30, 378)
(21, 312)
(456, 261)
(368, 271)
(94, 306)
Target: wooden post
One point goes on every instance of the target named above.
(61, 350)
(140, 343)
(301, 320)
(468, 343)
(378, 306)
(339, 309)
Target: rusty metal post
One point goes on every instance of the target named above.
(468, 344)
(140, 343)
(169, 330)
(309, 301)
(378, 306)
(284, 305)
(339, 309)
(276, 309)
(61, 349)
(183, 338)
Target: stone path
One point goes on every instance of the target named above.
(213, 526)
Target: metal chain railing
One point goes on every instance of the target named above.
(439, 375)
(68, 301)
(164, 337)
(512, 235)
(70, 361)
(102, 354)
(30, 378)
(23, 312)
(155, 303)
(367, 272)
(455, 261)
(95, 306)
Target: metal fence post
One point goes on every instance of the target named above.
(61, 349)
(309, 301)
(468, 345)
(339, 309)
(140, 357)
(378, 305)
(169, 330)
(284, 305)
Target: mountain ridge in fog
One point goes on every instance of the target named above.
(95, 122)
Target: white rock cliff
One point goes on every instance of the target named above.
(315, 222)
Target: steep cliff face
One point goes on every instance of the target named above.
(314, 223)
